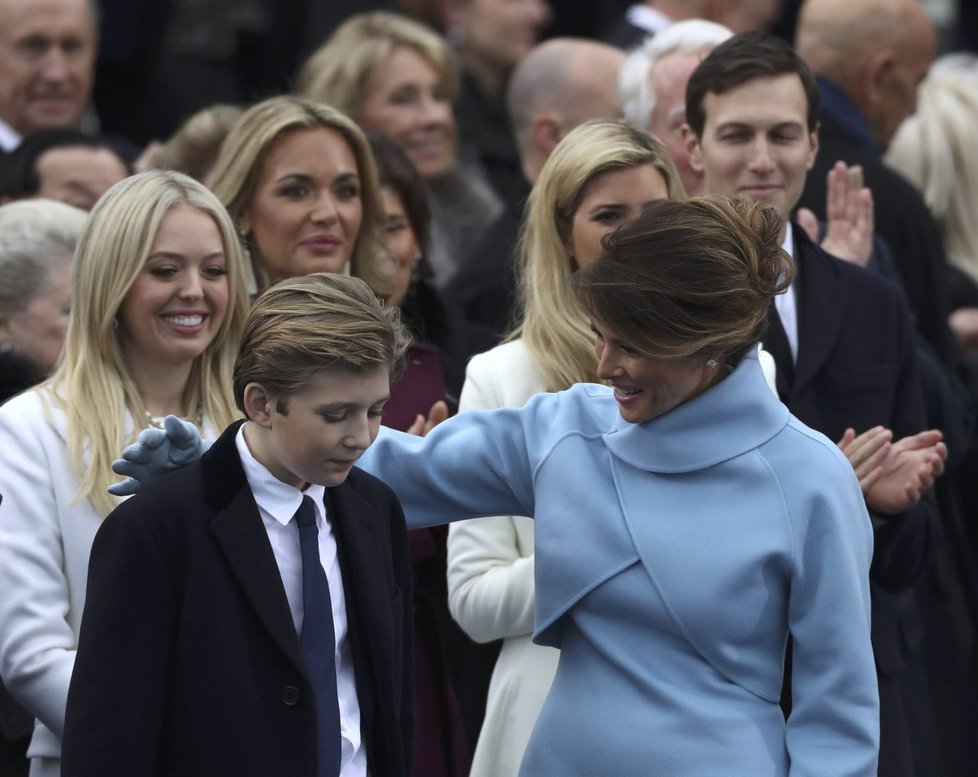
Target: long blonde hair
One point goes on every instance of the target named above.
(554, 329)
(91, 385)
(235, 176)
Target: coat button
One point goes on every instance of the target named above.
(290, 695)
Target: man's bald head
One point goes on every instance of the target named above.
(876, 51)
(563, 82)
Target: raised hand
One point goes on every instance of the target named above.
(156, 452)
(422, 425)
(849, 216)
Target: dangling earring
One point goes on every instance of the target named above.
(712, 364)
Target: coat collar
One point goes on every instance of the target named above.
(734, 416)
(822, 301)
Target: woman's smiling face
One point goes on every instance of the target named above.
(306, 211)
(408, 102)
(645, 387)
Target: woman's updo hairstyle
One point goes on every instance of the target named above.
(687, 278)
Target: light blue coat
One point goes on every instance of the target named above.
(673, 558)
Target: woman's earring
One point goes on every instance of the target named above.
(712, 364)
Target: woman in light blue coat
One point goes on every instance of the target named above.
(686, 523)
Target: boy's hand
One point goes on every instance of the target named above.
(156, 452)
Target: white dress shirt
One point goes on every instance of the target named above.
(277, 504)
(786, 303)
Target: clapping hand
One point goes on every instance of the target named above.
(894, 476)
(156, 452)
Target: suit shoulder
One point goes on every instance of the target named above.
(370, 488)
(172, 497)
(859, 279)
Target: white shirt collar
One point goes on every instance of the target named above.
(786, 303)
(9, 137)
(648, 19)
(278, 499)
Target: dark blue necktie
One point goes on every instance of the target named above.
(318, 640)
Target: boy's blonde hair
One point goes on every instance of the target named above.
(304, 325)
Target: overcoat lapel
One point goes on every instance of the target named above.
(822, 303)
(241, 537)
(368, 595)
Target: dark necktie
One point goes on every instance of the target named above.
(776, 343)
(318, 640)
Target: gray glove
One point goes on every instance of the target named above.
(156, 452)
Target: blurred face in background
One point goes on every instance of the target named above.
(306, 211)
(608, 201)
(668, 80)
(402, 243)
(36, 331)
(47, 60)
(751, 15)
(896, 86)
(78, 175)
(407, 101)
(500, 32)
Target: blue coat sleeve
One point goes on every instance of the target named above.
(474, 464)
(833, 728)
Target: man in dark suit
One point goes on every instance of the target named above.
(230, 632)
(842, 338)
(868, 58)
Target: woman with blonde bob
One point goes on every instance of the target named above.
(490, 572)
(299, 181)
(394, 75)
(341, 71)
(159, 299)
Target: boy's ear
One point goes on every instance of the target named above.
(258, 404)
